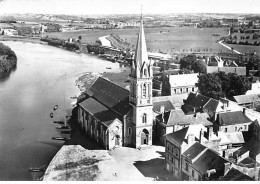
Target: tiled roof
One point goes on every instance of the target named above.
(235, 175)
(246, 98)
(257, 74)
(232, 118)
(178, 117)
(99, 111)
(249, 162)
(176, 100)
(231, 138)
(196, 101)
(180, 136)
(194, 150)
(167, 106)
(211, 105)
(111, 95)
(252, 146)
(210, 160)
(183, 79)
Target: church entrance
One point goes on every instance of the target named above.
(144, 137)
(117, 140)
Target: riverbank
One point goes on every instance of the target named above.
(22, 39)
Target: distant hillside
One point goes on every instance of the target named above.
(7, 19)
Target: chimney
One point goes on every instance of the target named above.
(191, 139)
(256, 172)
(212, 171)
(227, 167)
(162, 108)
(244, 111)
(162, 117)
(201, 134)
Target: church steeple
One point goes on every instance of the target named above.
(141, 93)
(141, 66)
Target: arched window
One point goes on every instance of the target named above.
(129, 131)
(144, 90)
(144, 118)
(145, 72)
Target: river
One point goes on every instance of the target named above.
(44, 77)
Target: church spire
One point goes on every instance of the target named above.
(141, 55)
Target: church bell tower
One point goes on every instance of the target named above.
(141, 93)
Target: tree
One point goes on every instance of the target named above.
(220, 84)
(185, 71)
(210, 85)
(188, 61)
(199, 66)
(239, 85)
(225, 83)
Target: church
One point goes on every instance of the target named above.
(114, 116)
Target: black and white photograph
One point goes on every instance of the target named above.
(129, 90)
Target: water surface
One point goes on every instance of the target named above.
(45, 76)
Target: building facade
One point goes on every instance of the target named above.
(141, 93)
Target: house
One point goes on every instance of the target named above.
(175, 120)
(235, 175)
(24, 30)
(251, 147)
(237, 70)
(178, 142)
(201, 163)
(176, 100)
(215, 61)
(177, 84)
(200, 103)
(9, 32)
(229, 141)
(233, 121)
(255, 89)
(256, 77)
(247, 101)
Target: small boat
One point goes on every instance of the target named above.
(73, 97)
(58, 122)
(66, 132)
(108, 68)
(51, 115)
(55, 107)
(60, 138)
(36, 169)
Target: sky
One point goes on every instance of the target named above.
(128, 6)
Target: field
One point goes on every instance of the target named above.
(170, 40)
(245, 48)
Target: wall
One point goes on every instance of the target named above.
(235, 128)
(173, 155)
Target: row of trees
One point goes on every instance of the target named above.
(190, 62)
(62, 43)
(243, 43)
(8, 59)
(217, 85)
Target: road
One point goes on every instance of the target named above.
(229, 47)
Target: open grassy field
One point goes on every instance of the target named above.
(175, 39)
(245, 48)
